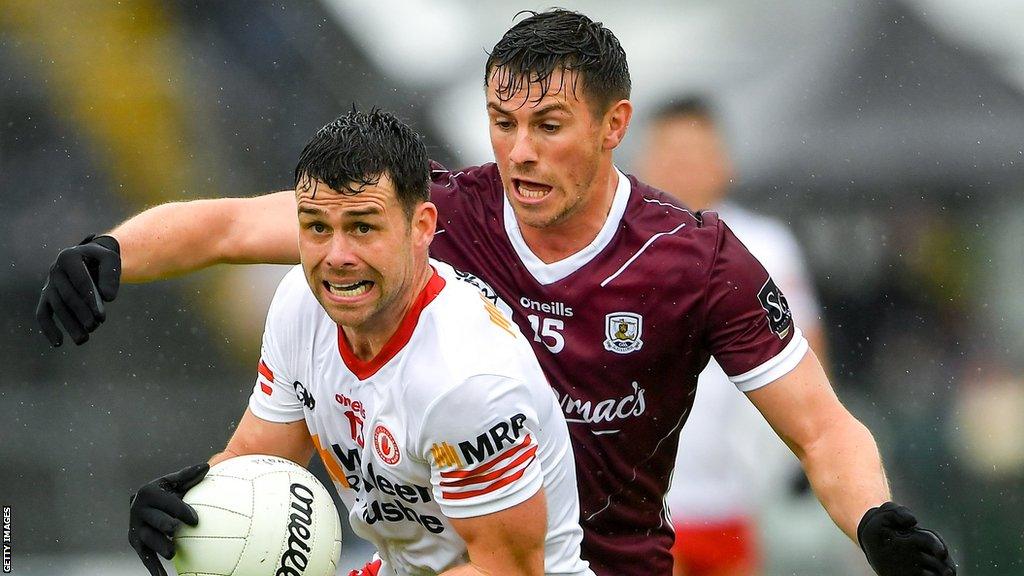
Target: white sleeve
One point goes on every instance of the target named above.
(794, 279)
(273, 396)
(480, 439)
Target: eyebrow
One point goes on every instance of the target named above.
(348, 213)
(553, 107)
(363, 212)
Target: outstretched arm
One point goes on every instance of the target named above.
(168, 240)
(841, 460)
(838, 453)
(182, 237)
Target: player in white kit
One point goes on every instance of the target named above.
(425, 402)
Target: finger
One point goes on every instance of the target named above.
(183, 480)
(932, 563)
(76, 301)
(932, 543)
(108, 276)
(78, 274)
(44, 317)
(156, 541)
(67, 319)
(172, 504)
(159, 520)
(151, 562)
(902, 518)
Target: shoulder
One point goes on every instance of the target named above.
(658, 221)
(293, 309)
(448, 184)
(652, 211)
(470, 334)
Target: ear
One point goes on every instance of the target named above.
(424, 223)
(615, 123)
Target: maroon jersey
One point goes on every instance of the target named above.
(622, 329)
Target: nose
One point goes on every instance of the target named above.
(523, 149)
(341, 252)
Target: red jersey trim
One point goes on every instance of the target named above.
(363, 369)
(528, 455)
(265, 371)
(473, 493)
(485, 467)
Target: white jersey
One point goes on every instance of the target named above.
(452, 419)
(729, 457)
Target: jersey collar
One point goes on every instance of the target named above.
(546, 274)
(363, 369)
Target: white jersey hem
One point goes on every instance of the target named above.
(264, 412)
(773, 369)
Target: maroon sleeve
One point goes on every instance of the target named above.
(748, 321)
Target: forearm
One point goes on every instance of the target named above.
(181, 237)
(846, 473)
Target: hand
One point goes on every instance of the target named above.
(370, 569)
(896, 546)
(79, 281)
(157, 511)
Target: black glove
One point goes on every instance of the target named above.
(80, 277)
(157, 511)
(896, 546)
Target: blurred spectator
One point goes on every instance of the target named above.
(729, 458)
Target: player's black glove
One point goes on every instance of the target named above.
(896, 546)
(156, 513)
(79, 281)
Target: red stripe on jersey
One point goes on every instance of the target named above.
(493, 475)
(470, 494)
(485, 467)
(265, 371)
(266, 389)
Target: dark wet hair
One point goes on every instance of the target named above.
(546, 42)
(358, 148)
(685, 105)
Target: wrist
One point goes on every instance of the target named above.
(108, 242)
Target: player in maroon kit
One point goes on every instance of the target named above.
(625, 293)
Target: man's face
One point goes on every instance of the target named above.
(685, 157)
(548, 151)
(360, 253)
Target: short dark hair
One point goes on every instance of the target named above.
(358, 148)
(685, 105)
(546, 42)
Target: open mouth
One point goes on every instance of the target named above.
(529, 190)
(349, 290)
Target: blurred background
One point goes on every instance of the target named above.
(889, 136)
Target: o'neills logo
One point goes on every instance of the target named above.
(294, 560)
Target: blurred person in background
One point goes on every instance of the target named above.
(729, 459)
(551, 207)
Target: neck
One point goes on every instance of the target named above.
(560, 240)
(368, 339)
